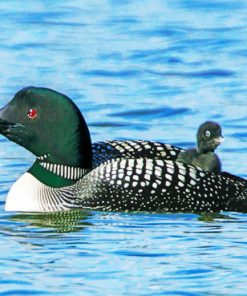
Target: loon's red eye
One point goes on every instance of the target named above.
(32, 113)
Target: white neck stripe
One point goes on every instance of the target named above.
(68, 172)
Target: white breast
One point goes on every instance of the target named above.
(23, 195)
(28, 194)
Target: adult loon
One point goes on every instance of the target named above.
(49, 124)
(209, 137)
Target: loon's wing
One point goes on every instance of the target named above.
(103, 151)
(234, 178)
(158, 185)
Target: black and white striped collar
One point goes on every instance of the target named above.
(64, 171)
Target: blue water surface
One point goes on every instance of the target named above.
(140, 69)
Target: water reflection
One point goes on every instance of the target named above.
(69, 221)
(212, 217)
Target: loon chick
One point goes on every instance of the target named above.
(49, 124)
(209, 137)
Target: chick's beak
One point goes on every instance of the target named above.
(219, 140)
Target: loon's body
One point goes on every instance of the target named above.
(50, 125)
(208, 138)
(132, 185)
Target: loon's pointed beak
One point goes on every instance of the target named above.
(219, 140)
(5, 124)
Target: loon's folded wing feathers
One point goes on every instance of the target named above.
(234, 178)
(103, 151)
(156, 185)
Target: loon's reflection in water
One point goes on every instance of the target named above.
(68, 221)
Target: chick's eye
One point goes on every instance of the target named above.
(32, 113)
(207, 133)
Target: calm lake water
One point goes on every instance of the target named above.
(141, 69)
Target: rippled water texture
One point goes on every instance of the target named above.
(141, 69)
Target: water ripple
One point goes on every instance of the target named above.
(105, 73)
(151, 112)
(208, 74)
(120, 125)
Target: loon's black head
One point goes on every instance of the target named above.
(47, 122)
(209, 136)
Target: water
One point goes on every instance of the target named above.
(141, 69)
